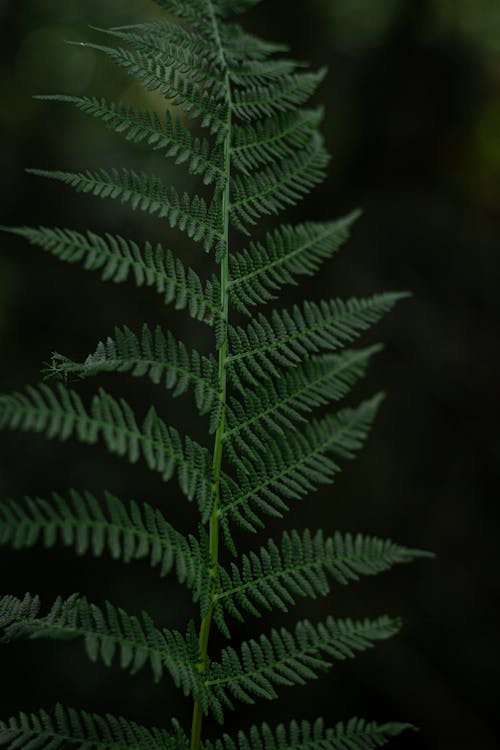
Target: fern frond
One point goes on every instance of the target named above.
(194, 12)
(127, 532)
(255, 102)
(148, 193)
(355, 734)
(117, 259)
(261, 72)
(167, 134)
(295, 464)
(273, 138)
(232, 7)
(239, 44)
(260, 271)
(108, 633)
(266, 346)
(154, 75)
(299, 566)
(275, 406)
(284, 658)
(158, 356)
(67, 727)
(191, 61)
(59, 413)
(278, 186)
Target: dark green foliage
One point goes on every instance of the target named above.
(355, 734)
(256, 151)
(301, 565)
(284, 658)
(126, 532)
(68, 728)
(117, 259)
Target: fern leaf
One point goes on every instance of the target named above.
(259, 272)
(240, 45)
(355, 734)
(273, 407)
(60, 414)
(284, 658)
(117, 259)
(293, 465)
(231, 7)
(67, 727)
(108, 633)
(255, 102)
(149, 194)
(189, 60)
(158, 356)
(168, 135)
(275, 187)
(156, 76)
(301, 565)
(126, 532)
(273, 138)
(262, 349)
(194, 12)
(261, 72)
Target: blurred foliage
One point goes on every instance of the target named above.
(413, 122)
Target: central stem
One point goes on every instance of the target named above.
(222, 375)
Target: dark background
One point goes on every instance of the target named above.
(413, 121)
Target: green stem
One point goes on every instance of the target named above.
(219, 435)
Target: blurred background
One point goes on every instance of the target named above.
(413, 122)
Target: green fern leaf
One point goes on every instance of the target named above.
(67, 727)
(157, 76)
(141, 126)
(355, 734)
(159, 357)
(255, 102)
(117, 259)
(257, 73)
(231, 7)
(190, 61)
(149, 194)
(285, 658)
(108, 633)
(127, 533)
(293, 465)
(239, 44)
(299, 566)
(259, 272)
(274, 407)
(278, 186)
(60, 414)
(265, 347)
(273, 138)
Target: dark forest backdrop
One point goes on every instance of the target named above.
(413, 121)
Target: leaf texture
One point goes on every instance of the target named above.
(117, 259)
(265, 347)
(148, 193)
(60, 414)
(355, 734)
(294, 465)
(168, 135)
(301, 565)
(258, 273)
(159, 357)
(109, 633)
(272, 138)
(127, 532)
(67, 727)
(273, 407)
(284, 658)
(274, 188)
